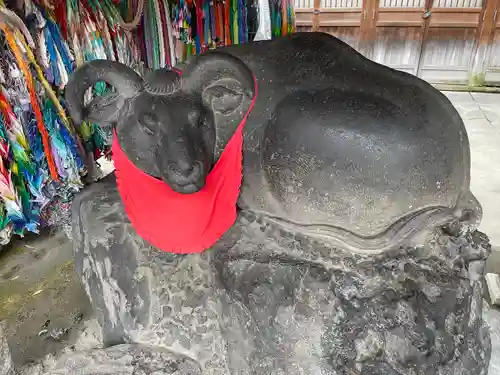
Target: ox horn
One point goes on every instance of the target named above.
(124, 79)
(161, 81)
(212, 66)
(12, 19)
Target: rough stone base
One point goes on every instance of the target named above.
(6, 365)
(268, 301)
(124, 360)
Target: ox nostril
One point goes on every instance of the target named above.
(187, 171)
(197, 169)
(183, 166)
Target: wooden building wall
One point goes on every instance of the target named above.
(442, 41)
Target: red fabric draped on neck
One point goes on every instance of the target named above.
(183, 223)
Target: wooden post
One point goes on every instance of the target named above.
(427, 20)
(368, 27)
(315, 16)
(484, 38)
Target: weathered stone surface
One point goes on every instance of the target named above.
(6, 365)
(119, 359)
(492, 318)
(90, 337)
(124, 360)
(267, 300)
(32, 369)
(355, 250)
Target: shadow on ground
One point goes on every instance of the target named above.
(41, 299)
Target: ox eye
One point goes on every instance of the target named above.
(149, 124)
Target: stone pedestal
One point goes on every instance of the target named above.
(268, 300)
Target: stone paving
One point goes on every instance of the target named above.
(481, 115)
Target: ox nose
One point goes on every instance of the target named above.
(184, 172)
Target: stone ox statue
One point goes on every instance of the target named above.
(355, 250)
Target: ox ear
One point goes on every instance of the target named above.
(105, 109)
(225, 95)
(222, 80)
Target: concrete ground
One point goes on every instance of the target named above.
(43, 303)
(481, 115)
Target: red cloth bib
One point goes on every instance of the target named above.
(183, 223)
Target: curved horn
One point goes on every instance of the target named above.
(212, 66)
(161, 82)
(136, 20)
(124, 79)
(12, 19)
